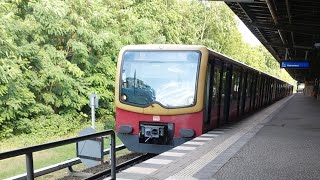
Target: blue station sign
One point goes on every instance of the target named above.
(295, 64)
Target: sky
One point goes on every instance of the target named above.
(247, 36)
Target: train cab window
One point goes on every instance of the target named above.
(165, 77)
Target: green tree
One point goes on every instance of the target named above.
(55, 53)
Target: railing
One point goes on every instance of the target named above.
(56, 167)
(29, 150)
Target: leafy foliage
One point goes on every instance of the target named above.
(54, 53)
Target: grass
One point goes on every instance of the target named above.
(15, 166)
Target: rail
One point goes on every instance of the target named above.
(29, 150)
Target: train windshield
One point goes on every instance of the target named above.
(165, 77)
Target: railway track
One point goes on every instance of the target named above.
(122, 166)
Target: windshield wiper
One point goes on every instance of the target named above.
(134, 83)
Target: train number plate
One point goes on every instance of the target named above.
(156, 118)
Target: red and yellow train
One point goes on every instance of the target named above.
(166, 94)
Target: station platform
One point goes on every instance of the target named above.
(281, 141)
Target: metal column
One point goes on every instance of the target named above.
(29, 164)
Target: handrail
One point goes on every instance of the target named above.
(59, 166)
(29, 150)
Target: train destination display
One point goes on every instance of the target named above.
(295, 64)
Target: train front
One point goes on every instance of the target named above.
(159, 96)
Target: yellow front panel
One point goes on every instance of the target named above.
(156, 109)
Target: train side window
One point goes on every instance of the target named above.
(216, 85)
(235, 85)
(253, 91)
(258, 91)
(248, 90)
(223, 88)
(206, 119)
(223, 77)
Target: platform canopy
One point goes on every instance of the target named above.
(289, 29)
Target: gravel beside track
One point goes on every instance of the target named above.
(104, 166)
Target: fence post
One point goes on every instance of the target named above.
(113, 155)
(29, 164)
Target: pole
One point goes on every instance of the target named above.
(93, 105)
(93, 118)
(113, 156)
(110, 152)
(29, 164)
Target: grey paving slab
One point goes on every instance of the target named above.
(157, 161)
(287, 147)
(129, 175)
(184, 148)
(149, 165)
(166, 157)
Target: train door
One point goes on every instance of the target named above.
(213, 97)
(244, 87)
(273, 90)
(261, 91)
(248, 92)
(240, 94)
(234, 93)
(225, 93)
(216, 96)
(264, 92)
(253, 92)
(208, 94)
(270, 90)
(257, 91)
(276, 90)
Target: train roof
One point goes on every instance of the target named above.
(193, 47)
(163, 46)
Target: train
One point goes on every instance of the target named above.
(168, 94)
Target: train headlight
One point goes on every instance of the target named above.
(123, 97)
(161, 132)
(125, 129)
(142, 131)
(187, 133)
